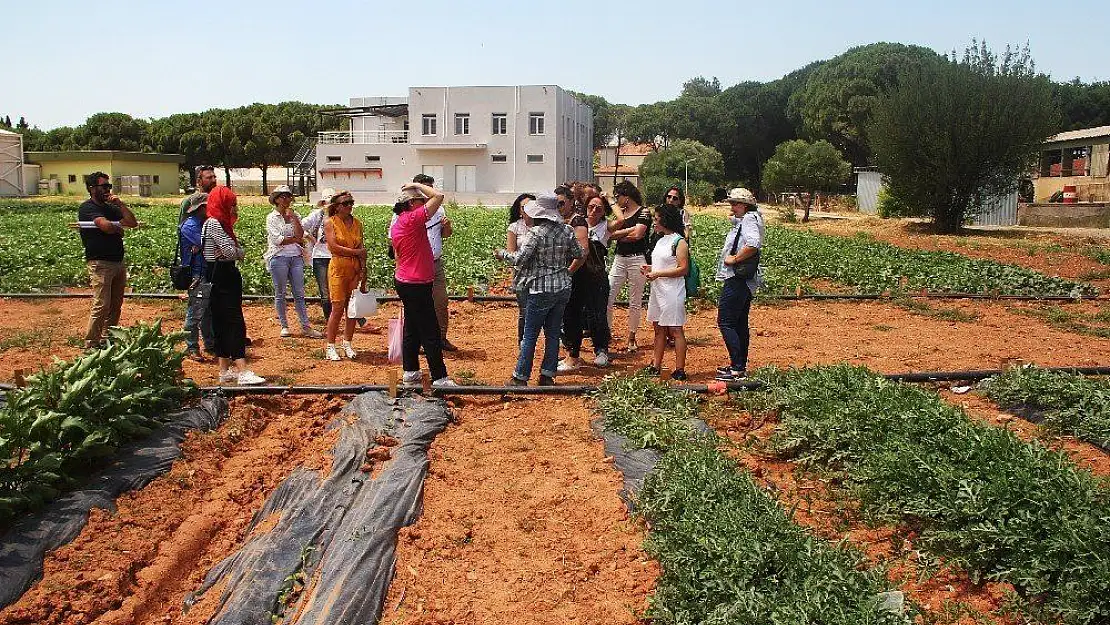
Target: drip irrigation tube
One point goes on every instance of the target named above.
(512, 298)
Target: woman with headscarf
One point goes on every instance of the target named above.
(520, 225)
(413, 278)
(346, 270)
(221, 250)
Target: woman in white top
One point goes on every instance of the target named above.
(285, 259)
(670, 261)
(520, 225)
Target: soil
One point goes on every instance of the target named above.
(522, 522)
(521, 525)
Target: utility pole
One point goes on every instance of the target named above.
(686, 177)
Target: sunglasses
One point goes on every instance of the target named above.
(347, 203)
(106, 186)
(672, 197)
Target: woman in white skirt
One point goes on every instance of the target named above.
(670, 261)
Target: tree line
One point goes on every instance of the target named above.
(257, 135)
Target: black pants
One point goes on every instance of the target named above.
(587, 308)
(421, 329)
(732, 319)
(229, 328)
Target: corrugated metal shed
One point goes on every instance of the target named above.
(868, 183)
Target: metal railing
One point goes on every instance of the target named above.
(332, 137)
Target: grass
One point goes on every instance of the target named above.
(921, 307)
(1097, 324)
(28, 339)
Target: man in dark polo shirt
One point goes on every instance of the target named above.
(101, 220)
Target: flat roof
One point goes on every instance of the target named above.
(99, 155)
(1084, 133)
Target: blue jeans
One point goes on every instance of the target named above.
(320, 270)
(197, 318)
(289, 270)
(545, 311)
(732, 320)
(521, 309)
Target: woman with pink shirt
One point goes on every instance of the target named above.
(413, 280)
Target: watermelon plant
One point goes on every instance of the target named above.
(1069, 403)
(75, 414)
(999, 507)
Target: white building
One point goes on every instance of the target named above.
(479, 143)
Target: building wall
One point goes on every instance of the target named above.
(168, 181)
(64, 170)
(568, 132)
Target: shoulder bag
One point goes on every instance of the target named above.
(747, 268)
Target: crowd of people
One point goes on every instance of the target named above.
(557, 245)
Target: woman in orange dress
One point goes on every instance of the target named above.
(347, 270)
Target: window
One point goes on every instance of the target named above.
(428, 124)
(334, 159)
(535, 123)
(406, 124)
(500, 124)
(535, 158)
(373, 159)
(72, 178)
(499, 158)
(462, 123)
(155, 179)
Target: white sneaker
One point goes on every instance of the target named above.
(310, 333)
(330, 353)
(248, 378)
(348, 350)
(229, 376)
(566, 366)
(411, 377)
(444, 381)
(285, 333)
(602, 359)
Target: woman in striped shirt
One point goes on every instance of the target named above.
(221, 250)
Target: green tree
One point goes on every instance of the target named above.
(700, 86)
(669, 166)
(805, 166)
(1082, 105)
(114, 131)
(607, 117)
(958, 132)
(837, 100)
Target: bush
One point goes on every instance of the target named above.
(890, 206)
(655, 187)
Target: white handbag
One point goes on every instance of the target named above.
(362, 305)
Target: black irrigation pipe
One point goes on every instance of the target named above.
(512, 298)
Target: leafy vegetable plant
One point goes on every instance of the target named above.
(1070, 403)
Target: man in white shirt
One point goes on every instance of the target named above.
(439, 228)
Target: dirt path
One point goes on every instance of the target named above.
(877, 334)
(522, 524)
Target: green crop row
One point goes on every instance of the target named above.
(1070, 403)
(728, 550)
(793, 256)
(1001, 508)
(39, 253)
(74, 415)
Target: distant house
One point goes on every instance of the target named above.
(609, 171)
(132, 173)
(479, 143)
(1075, 158)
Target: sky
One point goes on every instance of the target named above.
(65, 60)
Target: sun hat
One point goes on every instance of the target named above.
(196, 200)
(545, 206)
(409, 194)
(325, 196)
(740, 195)
(278, 191)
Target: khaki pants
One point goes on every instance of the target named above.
(439, 297)
(109, 279)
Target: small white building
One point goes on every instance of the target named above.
(484, 144)
(11, 164)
